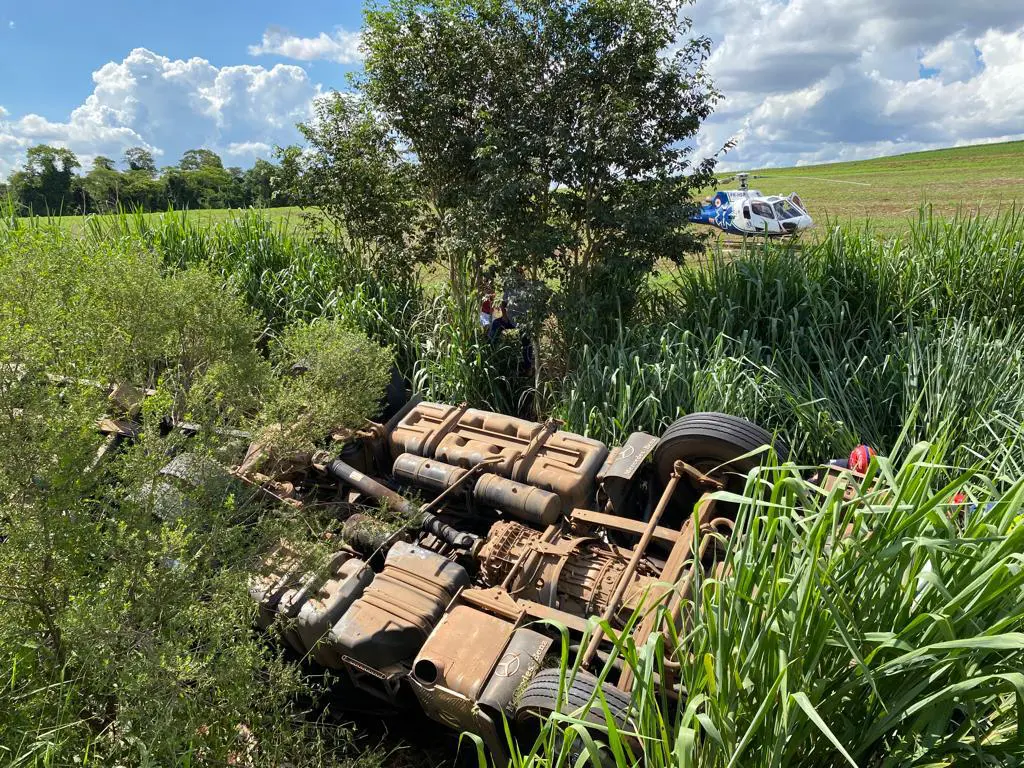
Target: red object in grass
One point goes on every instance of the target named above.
(959, 498)
(861, 458)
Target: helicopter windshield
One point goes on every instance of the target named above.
(786, 210)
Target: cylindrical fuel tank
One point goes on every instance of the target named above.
(563, 463)
(426, 473)
(396, 612)
(525, 502)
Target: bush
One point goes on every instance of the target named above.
(108, 312)
(126, 628)
(331, 379)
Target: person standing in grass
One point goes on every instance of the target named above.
(487, 302)
(515, 308)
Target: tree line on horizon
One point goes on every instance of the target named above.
(49, 183)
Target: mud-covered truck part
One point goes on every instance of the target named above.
(370, 625)
(527, 452)
(512, 527)
(572, 573)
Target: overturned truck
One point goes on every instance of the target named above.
(514, 528)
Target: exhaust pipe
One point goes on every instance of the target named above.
(426, 521)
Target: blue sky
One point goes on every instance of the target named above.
(804, 81)
(47, 59)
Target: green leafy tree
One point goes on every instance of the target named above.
(206, 187)
(202, 181)
(140, 160)
(196, 159)
(140, 191)
(234, 195)
(140, 187)
(285, 180)
(103, 185)
(356, 175)
(560, 128)
(45, 183)
(258, 185)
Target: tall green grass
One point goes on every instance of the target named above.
(899, 644)
(842, 340)
(285, 273)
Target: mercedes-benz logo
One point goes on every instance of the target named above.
(508, 665)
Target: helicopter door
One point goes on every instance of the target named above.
(742, 220)
(762, 218)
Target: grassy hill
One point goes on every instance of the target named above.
(890, 190)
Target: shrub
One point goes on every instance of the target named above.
(330, 379)
(108, 312)
(126, 628)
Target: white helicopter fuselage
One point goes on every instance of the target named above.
(755, 213)
(746, 211)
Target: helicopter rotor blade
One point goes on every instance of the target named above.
(819, 178)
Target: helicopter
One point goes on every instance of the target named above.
(746, 211)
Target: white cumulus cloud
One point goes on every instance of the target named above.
(169, 106)
(824, 80)
(955, 58)
(804, 81)
(342, 47)
(250, 148)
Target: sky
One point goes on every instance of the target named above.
(803, 81)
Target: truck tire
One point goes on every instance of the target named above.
(712, 443)
(540, 699)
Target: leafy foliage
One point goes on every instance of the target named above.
(47, 185)
(556, 131)
(331, 379)
(355, 175)
(281, 275)
(108, 312)
(125, 624)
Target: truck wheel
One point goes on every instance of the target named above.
(713, 443)
(540, 699)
